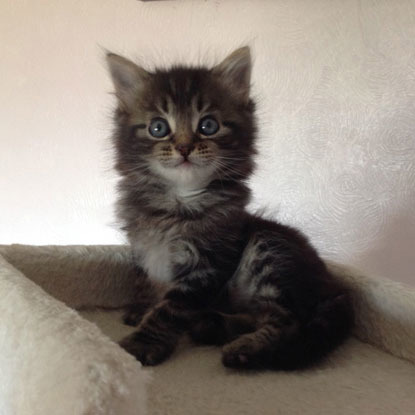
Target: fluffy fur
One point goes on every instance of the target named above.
(52, 360)
(230, 278)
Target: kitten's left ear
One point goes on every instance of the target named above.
(235, 71)
(128, 79)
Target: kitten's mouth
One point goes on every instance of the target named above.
(185, 163)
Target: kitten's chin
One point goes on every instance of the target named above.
(185, 173)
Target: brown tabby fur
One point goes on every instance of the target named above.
(230, 278)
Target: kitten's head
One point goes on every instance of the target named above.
(188, 126)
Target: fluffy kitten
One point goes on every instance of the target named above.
(184, 140)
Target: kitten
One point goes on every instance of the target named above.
(185, 142)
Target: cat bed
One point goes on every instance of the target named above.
(55, 360)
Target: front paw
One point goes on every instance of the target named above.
(148, 351)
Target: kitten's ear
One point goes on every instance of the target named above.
(128, 79)
(235, 71)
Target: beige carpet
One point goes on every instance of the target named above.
(357, 379)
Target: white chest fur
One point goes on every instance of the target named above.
(154, 255)
(159, 253)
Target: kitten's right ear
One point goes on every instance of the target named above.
(128, 79)
(235, 71)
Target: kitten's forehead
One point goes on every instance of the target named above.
(181, 89)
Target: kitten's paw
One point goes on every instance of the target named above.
(148, 353)
(243, 353)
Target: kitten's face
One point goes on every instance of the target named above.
(188, 126)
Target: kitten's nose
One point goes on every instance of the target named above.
(184, 149)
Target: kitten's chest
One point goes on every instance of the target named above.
(160, 251)
(153, 251)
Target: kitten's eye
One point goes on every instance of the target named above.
(159, 127)
(208, 125)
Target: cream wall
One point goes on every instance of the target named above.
(335, 83)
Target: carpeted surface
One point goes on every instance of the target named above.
(357, 379)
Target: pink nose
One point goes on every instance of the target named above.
(184, 149)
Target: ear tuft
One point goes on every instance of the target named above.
(128, 79)
(235, 70)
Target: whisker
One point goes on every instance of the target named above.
(226, 171)
(226, 167)
(232, 158)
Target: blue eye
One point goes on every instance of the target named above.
(159, 127)
(208, 125)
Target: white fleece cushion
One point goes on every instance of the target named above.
(54, 362)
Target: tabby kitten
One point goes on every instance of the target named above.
(184, 140)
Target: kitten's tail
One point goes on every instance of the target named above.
(294, 346)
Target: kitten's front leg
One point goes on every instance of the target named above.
(148, 294)
(160, 329)
(156, 337)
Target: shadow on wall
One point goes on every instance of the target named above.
(396, 245)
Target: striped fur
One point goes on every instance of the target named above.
(229, 278)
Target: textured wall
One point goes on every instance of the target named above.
(335, 83)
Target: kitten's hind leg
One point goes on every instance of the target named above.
(284, 342)
(255, 350)
(216, 328)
